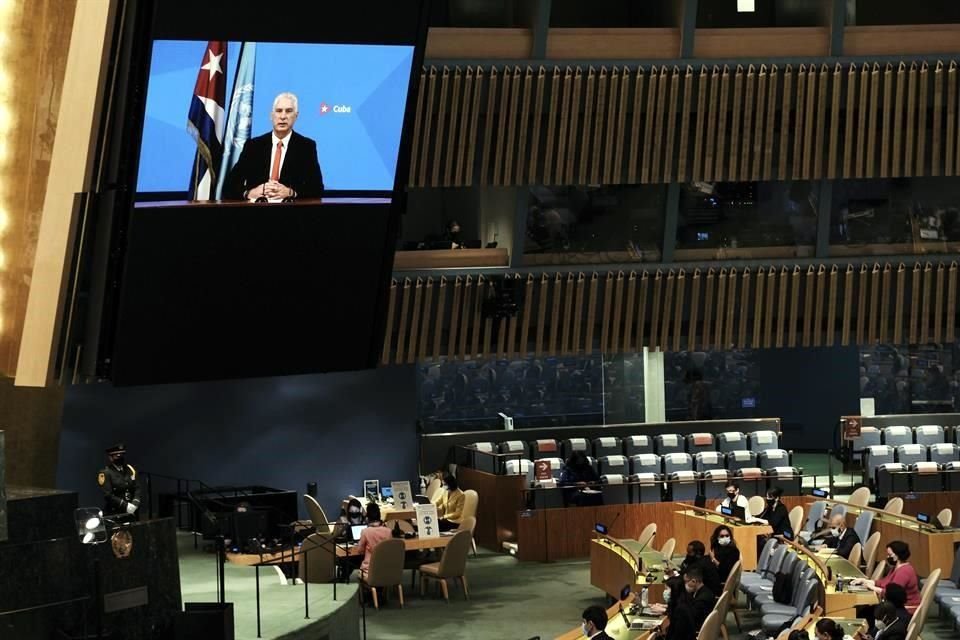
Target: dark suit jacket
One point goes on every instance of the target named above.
(896, 631)
(845, 544)
(301, 169)
(601, 636)
(689, 613)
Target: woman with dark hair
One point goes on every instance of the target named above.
(799, 634)
(827, 629)
(450, 505)
(775, 513)
(900, 572)
(724, 550)
(353, 514)
(578, 473)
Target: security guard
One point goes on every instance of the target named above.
(118, 481)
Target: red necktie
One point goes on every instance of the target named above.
(275, 172)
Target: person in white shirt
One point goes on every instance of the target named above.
(736, 500)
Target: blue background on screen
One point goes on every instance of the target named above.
(357, 150)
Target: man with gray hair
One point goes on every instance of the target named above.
(280, 165)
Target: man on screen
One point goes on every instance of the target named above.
(279, 165)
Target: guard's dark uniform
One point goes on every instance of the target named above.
(120, 488)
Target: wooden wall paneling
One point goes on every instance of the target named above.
(898, 308)
(767, 173)
(438, 318)
(565, 348)
(717, 165)
(671, 125)
(794, 317)
(886, 117)
(716, 119)
(722, 119)
(816, 338)
(476, 320)
(646, 144)
(617, 318)
(440, 139)
(938, 304)
(605, 320)
(678, 302)
(405, 296)
(882, 337)
(914, 303)
(920, 162)
(512, 115)
(553, 107)
(630, 313)
(536, 126)
(749, 105)
(874, 312)
(833, 149)
(543, 289)
(613, 99)
(455, 326)
(848, 297)
(578, 311)
(555, 325)
(732, 281)
(796, 163)
(771, 289)
(702, 90)
(427, 127)
(926, 303)
(453, 135)
(863, 288)
(816, 172)
(742, 321)
(684, 144)
(758, 307)
(655, 310)
(591, 312)
(633, 150)
(759, 124)
(414, 322)
(488, 125)
(586, 133)
(786, 105)
(955, 140)
(616, 169)
(566, 107)
(600, 128)
(694, 310)
(863, 93)
(810, 114)
(936, 144)
(951, 319)
(830, 338)
(873, 109)
(708, 307)
(784, 286)
(850, 117)
(900, 99)
(573, 129)
(642, 310)
(665, 322)
(391, 309)
(417, 131)
(951, 119)
(718, 333)
(471, 155)
(466, 318)
(424, 337)
(523, 151)
(809, 288)
(656, 161)
(506, 84)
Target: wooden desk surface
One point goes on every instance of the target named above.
(252, 559)
(698, 524)
(616, 627)
(450, 259)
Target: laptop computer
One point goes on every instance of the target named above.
(356, 530)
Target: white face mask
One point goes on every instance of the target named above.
(723, 540)
(583, 628)
(835, 531)
(666, 596)
(881, 625)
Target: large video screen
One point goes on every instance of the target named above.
(206, 101)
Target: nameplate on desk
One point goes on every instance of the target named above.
(402, 496)
(427, 521)
(126, 599)
(527, 513)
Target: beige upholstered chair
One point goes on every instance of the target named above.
(870, 552)
(946, 517)
(434, 488)
(756, 505)
(894, 506)
(856, 554)
(316, 564)
(317, 516)
(913, 633)
(927, 593)
(452, 565)
(470, 501)
(386, 569)
(470, 524)
(731, 586)
(711, 627)
(647, 535)
(722, 607)
(878, 570)
(668, 548)
(860, 497)
(796, 519)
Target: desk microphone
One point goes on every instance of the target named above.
(826, 562)
(615, 518)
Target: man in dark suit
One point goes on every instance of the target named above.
(694, 602)
(279, 165)
(889, 626)
(697, 557)
(842, 539)
(594, 623)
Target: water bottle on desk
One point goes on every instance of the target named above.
(644, 597)
(839, 583)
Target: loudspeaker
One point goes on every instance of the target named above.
(208, 620)
(312, 489)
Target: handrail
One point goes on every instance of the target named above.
(47, 605)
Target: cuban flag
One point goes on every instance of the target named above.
(205, 120)
(240, 114)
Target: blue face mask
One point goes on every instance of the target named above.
(583, 628)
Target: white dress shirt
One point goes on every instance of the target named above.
(742, 502)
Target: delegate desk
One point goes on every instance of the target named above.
(617, 563)
(693, 523)
(828, 566)
(343, 550)
(617, 627)
(930, 547)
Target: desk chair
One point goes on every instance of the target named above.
(646, 536)
(894, 506)
(452, 565)
(386, 570)
(316, 562)
(732, 586)
(945, 517)
(470, 500)
(434, 487)
(469, 523)
(722, 608)
(317, 516)
(870, 552)
(860, 497)
(856, 554)
(711, 627)
(927, 593)
(668, 548)
(756, 505)
(796, 518)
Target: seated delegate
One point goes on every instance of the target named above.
(450, 505)
(736, 502)
(840, 536)
(900, 572)
(375, 533)
(724, 550)
(577, 476)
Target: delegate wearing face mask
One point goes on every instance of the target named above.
(841, 538)
(900, 572)
(725, 552)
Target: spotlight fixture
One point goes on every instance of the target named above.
(746, 6)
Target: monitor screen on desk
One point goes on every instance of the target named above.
(356, 530)
(923, 517)
(207, 101)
